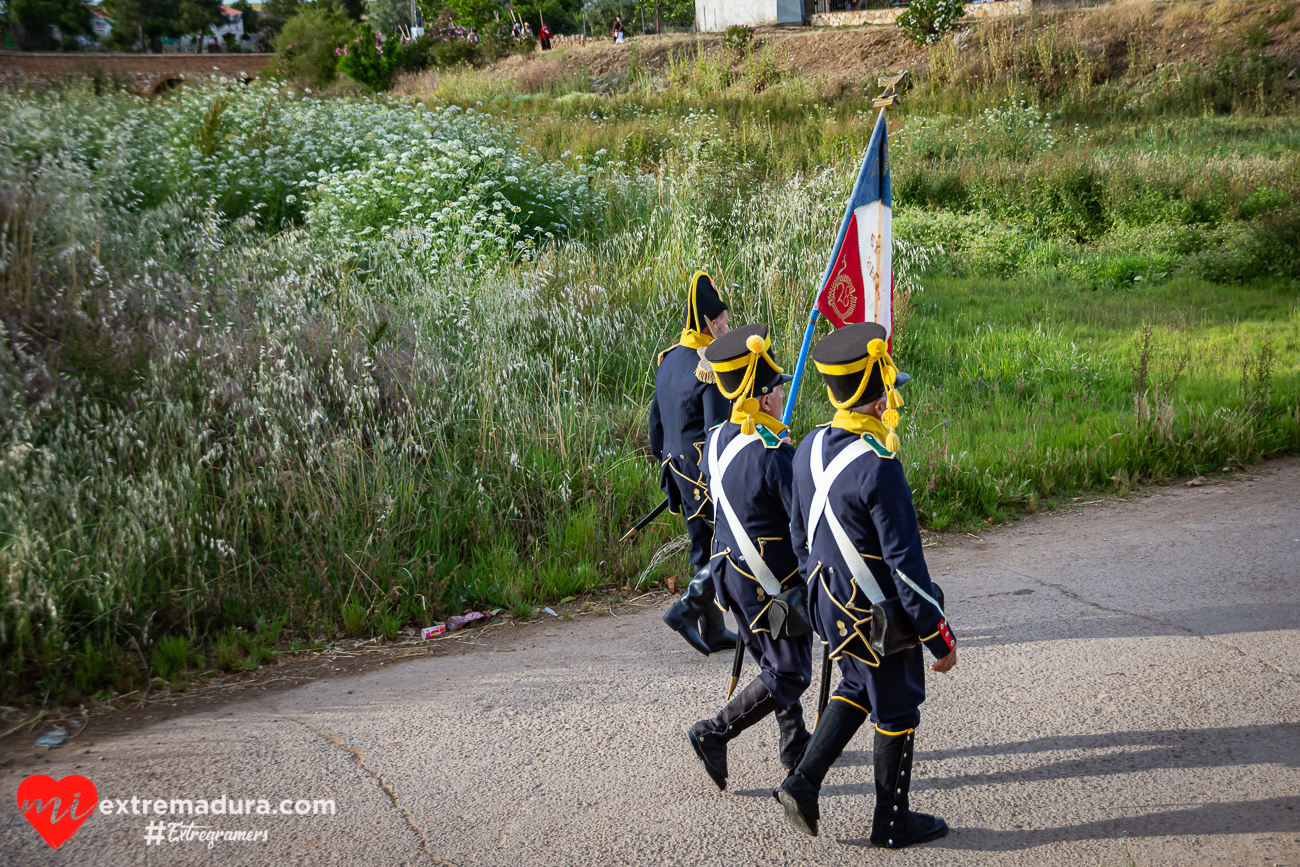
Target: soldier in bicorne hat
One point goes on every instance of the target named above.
(748, 465)
(855, 532)
(686, 404)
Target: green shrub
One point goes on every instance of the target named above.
(925, 21)
(354, 619)
(230, 652)
(173, 654)
(417, 55)
(738, 37)
(306, 48)
(455, 52)
(369, 60)
(1263, 200)
(388, 624)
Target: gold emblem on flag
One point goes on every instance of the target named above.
(843, 297)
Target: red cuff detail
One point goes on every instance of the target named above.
(946, 635)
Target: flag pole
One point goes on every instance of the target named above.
(798, 367)
(883, 102)
(812, 318)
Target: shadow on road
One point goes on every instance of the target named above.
(1110, 754)
(1206, 620)
(1281, 815)
(1172, 748)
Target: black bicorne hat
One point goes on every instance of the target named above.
(742, 363)
(702, 303)
(854, 361)
(845, 356)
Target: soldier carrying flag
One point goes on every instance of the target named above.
(854, 528)
(855, 532)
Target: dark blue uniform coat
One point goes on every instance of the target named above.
(873, 503)
(682, 410)
(758, 487)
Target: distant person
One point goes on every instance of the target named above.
(528, 32)
(545, 33)
(473, 36)
(618, 30)
(515, 31)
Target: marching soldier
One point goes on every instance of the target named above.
(686, 404)
(748, 465)
(855, 533)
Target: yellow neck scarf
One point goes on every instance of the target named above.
(860, 423)
(695, 339)
(739, 416)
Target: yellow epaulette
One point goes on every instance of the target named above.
(660, 359)
(705, 374)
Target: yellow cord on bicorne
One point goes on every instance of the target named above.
(743, 395)
(693, 332)
(877, 353)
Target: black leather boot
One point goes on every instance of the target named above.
(709, 737)
(894, 825)
(714, 631)
(794, 736)
(798, 794)
(687, 611)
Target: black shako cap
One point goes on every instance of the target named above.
(733, 346)
(708, 304)
(845, 346)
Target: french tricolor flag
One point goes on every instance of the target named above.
(859, 282)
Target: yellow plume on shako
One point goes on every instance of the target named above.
(744, 367)
(855, 362)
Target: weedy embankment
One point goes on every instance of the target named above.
(278, 367)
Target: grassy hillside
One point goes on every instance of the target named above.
(279, 368)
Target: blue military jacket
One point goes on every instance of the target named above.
(873, 503)
(682, 410)
(758, 487)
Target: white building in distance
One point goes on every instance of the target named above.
(715, 16)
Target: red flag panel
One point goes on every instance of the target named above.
(843, 298)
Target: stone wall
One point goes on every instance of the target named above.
(144, 73)
(995, 9)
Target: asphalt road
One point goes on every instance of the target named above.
(1128, 692)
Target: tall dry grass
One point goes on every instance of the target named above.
(218, 426)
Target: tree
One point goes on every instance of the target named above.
(305, 48)
(275, 14)
(562, 16)
(369, 60)
(386, 15)
(467, 13)
(35, 18)
(159, 18)
(250, 16)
